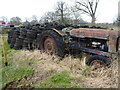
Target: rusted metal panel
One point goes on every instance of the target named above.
(112, 44)
(93, 33)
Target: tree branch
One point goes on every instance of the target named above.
(86, 6)
(97, 1)
(91, 5)
(83, 10)
(82, 4)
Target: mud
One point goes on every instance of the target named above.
(27, 82)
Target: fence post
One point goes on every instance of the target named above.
(4, 51)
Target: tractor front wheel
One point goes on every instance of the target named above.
(98, 61)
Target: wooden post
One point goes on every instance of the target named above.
(4, 51)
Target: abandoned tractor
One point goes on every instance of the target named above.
(102, 44)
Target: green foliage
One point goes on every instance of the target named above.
(58, 80)
(14, 70)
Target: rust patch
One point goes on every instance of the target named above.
(94, 33)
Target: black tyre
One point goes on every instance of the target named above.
(10, 35)
(51, 42)
(13, 40)
(9, 41)
(25, 45)
(22, 37)
(23, 32)
(17, 47)
(18, 44)
(34, 44)
(11, 45)
(38, 41)
(28, 44)
(28, 40)
(98, 61)
(16, 33)
(31, 34)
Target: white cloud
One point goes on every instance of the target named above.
(26, 8)
(108, 10)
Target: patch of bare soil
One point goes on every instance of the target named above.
(28, 81)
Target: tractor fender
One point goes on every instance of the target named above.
(57, 31)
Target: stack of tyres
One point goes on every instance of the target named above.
(20, 39)
(18, 44)
(10, 36)
(29, 40)
(15, 35)
(23, 33)
(38, 41)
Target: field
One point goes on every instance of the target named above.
(32, 69)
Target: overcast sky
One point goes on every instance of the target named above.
(107, 9)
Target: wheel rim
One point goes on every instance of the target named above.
(98, 64)
(49, 45)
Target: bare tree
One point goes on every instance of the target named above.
(62, 11)
(34, 19)
(26, 22)
(76, 17)
(89, 7)
(15, 20)
(49, 17)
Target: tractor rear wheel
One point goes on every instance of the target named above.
(51, 42)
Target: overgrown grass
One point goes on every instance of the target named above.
(84, 76)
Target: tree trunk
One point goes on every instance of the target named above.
(62, 18)
(93, 21)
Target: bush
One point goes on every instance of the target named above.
(4, 31)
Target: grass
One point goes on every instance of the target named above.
(16, 71)
(83, 76)
(16, 68)
(58, 80)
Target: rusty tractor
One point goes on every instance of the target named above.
(102, 44)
